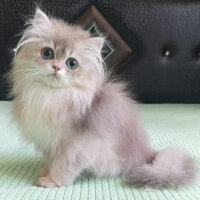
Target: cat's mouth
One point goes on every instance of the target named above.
(52, 81)
(54, 76)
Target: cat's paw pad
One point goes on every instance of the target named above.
(43, 172)
(46, 182)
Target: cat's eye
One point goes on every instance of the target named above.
(47, 53)
(72, 63)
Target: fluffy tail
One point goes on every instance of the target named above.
(170, 168)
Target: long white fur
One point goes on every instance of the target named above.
(83, 122)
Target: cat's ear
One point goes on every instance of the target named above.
(40, 19)
(37, 27)
(98, 42)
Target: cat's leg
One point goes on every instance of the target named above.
(44, 172)
(62, 172)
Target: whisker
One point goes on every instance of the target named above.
(29, 70)
(25, 77)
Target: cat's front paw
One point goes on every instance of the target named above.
(46, 182)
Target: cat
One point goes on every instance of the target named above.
(78, 117)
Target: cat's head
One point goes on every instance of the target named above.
(57, 55)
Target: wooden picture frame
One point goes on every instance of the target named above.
(115, 49)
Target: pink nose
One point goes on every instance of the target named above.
(56, 68)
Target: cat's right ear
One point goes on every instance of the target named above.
(40, 19)
(37, 27)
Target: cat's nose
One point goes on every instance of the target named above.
(56, 68)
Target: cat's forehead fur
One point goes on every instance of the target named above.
(62, 33)
(44, 28)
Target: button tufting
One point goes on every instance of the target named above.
(169, 50)
(167, 53)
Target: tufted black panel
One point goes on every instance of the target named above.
(164, 36)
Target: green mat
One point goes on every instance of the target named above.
(177, 125)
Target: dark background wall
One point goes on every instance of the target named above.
(150, 27)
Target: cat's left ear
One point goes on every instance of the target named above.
(97, 42)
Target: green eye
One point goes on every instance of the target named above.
(72, 63)
(47, 53)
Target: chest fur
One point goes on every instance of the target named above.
(38, 126)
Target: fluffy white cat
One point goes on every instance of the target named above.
(79, 119)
